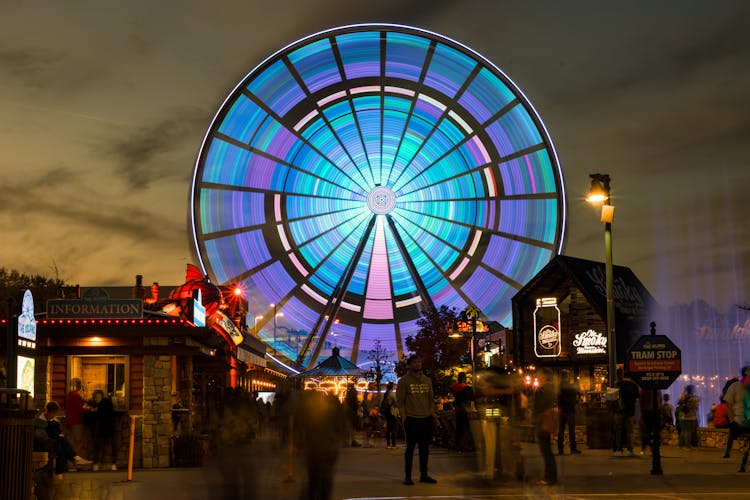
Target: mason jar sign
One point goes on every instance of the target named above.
(547, 343)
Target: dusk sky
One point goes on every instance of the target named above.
(104, 106)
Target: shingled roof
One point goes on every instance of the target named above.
(334, 366)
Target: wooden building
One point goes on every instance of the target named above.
(149, 350)
(560, 317)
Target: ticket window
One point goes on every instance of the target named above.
(106, 373)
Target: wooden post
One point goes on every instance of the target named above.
(132, 447)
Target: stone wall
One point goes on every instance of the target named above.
(712, 437)
(157, 417)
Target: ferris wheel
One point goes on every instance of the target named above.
(366, 173)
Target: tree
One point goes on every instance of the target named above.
(379, 356)
(433, 343)
(13, 283)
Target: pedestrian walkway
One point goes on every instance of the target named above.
(261, 472)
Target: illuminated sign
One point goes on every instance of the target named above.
(26, 321)
(590, 342)
(548, 337)
(223, 322)
(26, 374)
(546, 328)
(82, 308)
(199, 310)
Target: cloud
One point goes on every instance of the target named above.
(59, 196)
(29, 67)
(147, 154)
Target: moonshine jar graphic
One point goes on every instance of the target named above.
(547, 328)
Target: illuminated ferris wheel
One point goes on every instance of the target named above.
(363, 174)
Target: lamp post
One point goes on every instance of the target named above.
(274, 325)
(599, 194)
(472, 312)
(255, 324)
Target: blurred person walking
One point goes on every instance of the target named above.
(353, 412)
(568, 397)
(546, 422)
(415, 400)
(389, 411)
(463, 398)
(687, 407)
(687, 411)
(667, 412)
(624, 414)
(650, 420)
(104, 429)
(320, 418)
(735, 396)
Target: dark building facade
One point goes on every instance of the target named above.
(560, 318)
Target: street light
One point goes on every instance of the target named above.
(255, 324)
(472, 313)
(599, 195)
(274, 323)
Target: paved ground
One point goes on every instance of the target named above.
(261, 472)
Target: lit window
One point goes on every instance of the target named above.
(106, 373)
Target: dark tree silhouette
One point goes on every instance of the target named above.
(381, 365)
(14, 283)
(435, 346)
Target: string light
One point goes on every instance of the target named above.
(157, 321)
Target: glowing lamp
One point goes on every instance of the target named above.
(599, 191)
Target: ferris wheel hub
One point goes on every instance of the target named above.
(381, 200)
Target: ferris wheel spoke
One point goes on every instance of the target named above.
(356, 142)
(422, 70)
(424, 265)
(321, 329)
(343, 171)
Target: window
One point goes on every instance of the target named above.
(107, 373)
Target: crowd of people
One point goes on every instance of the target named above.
(318, 425)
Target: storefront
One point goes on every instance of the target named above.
(559, 319)
(160, 356)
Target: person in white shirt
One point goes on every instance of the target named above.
(735, 397)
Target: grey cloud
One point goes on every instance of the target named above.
(56, 195)
(31, 67)
(143, 157)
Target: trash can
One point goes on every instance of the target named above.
(16, 443)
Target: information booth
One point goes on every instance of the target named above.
(159, 354)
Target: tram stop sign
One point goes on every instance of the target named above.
(654, 362)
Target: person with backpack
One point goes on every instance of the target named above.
(389, 411)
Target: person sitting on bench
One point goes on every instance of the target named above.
(48, 437)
